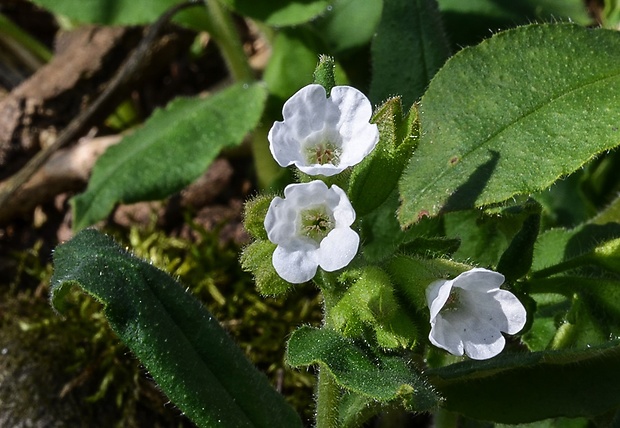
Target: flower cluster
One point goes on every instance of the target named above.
(320, 136)
(311, 225)
(469, 312)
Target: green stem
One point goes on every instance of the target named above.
(33, 52)
(564, 285)
(268, 172)
(327, 391)
(226, 35)
(327, 398)
(563, 266)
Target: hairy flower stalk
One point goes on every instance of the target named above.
(324, 136)
(469, 312)
(311, 226)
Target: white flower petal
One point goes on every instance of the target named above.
(482, 340)
(327, 169)
(288, 149)
(338, 248)
(280, 221)
(437, 294)
(444, 335)
(479, 279)
(513, 310)
(308, 194)
(296, 264)
(469, 313)
(309, 111)
(359, 136)
(344, 213)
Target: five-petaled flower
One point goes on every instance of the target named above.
(469, 312)
(321, 135)
(311, 227)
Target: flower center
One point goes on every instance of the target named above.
(316, 223)
(453, 302)
(322, 153)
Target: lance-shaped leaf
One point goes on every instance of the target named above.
(382, 377)
(512, 115)
(189, 355)
(518, 388)
(173, 148)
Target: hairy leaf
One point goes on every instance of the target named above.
(174, 147)
(379, 376)
(190, 356)
(517, 388)
(512, 115)
(469, 22)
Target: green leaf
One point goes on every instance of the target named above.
(518, 388)
(369, 303)
(486, 236)
(174, 147)
(279, 12)
(512, 115)
(548, 316)
(376, 177)
(611, 214)
(469, 22)
(292, 64)
(407, 51)
(349, 24)
(381, 232)
(412, 276)
(516, 261)
(382, 377)
(562, 246)
(190, 356)
(123, 12)
(355, 409)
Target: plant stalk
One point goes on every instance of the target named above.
(225, 33)
(328, 390)
(327, 398)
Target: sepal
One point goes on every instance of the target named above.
(256, 258)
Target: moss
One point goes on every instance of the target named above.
(82, 375)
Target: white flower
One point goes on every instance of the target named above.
(469, 312)
(323, 135)
(311, 227)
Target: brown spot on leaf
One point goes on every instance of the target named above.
(454, 160)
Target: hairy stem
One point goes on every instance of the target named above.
(327, 398)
